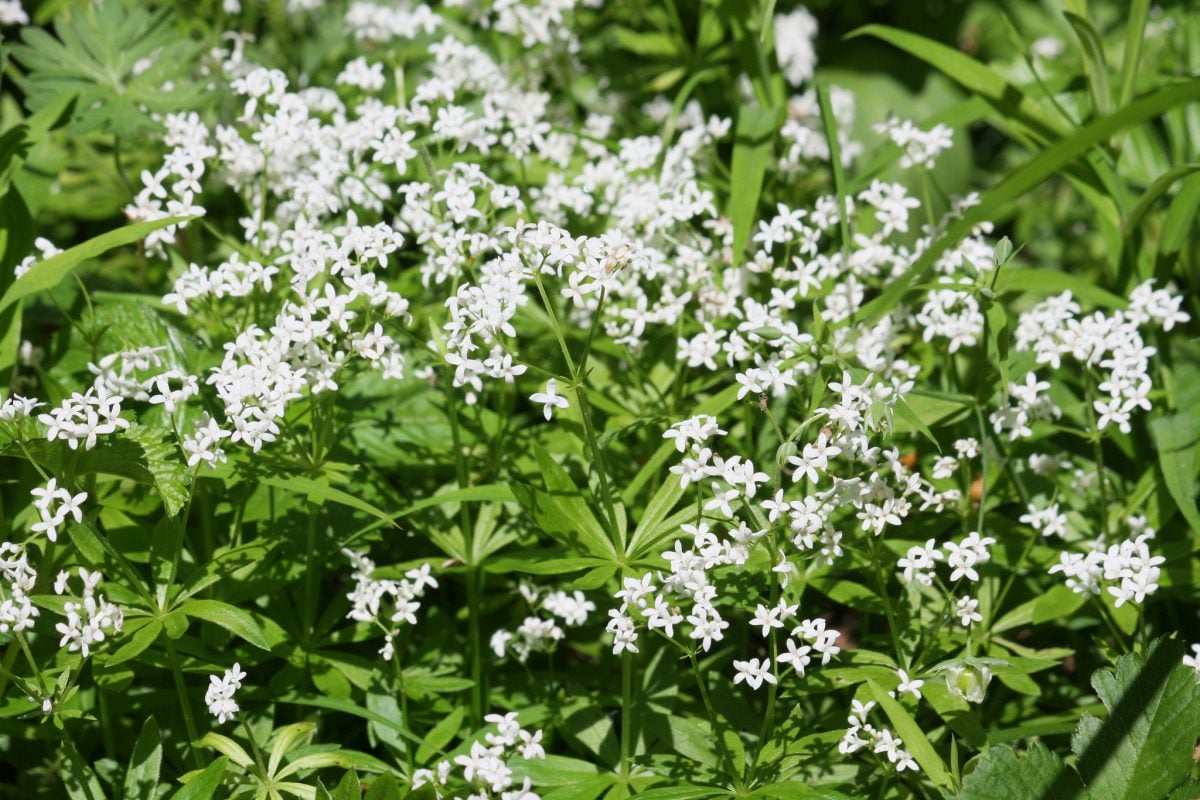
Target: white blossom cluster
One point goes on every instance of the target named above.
(17, 611)
(921, 148)
(1126, 570)
(484, 772)
(90, 618)
(538, 633)
(54, 504)
(84, 417)
(386, 603)
(219, 697)
(861, 734)
(1110, 346)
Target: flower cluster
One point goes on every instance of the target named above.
(1126, 570)
(485, 770)
(219, 695)
(84, 417)
(1108, 347)
(54, 504)
(861, 734)
(17, 611)
(537, 633)
(403, 598)
(90, 617)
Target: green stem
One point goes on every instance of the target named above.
(398, 666)
(41, 679)
(474, 606)
(259, 761)
(887, 602)
(311, 574)
(189, 721)
(81, 767)
(1098, 455)
(585, 413)
(626, 712)
(734, 772)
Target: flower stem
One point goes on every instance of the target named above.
(626, 712)
(189, 721)
(712, 721)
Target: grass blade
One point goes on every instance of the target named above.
(1094, 65)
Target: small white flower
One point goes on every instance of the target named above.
(754, 672)
(550, 399)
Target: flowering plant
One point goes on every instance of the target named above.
(565, 398)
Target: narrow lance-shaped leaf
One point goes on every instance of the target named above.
(754, 134)
(49, 273)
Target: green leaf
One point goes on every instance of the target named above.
(1057, 601)
(348, 788)
(913, 737)
(1002, 774)
(49, 273)
(441, 734)
(1157, 189)
(238, 622)
(753, 140)
(162, 462)
(588, 727)
(660, 505)
(384, 788)
(552, 566)
(226, 747)
(1181, 217)
(100, 54)
(1010, 103)
(562, 511)
(1144, 748)
(1049, 281)
(285, 739)
(298, 484)
(137, 644)
(203, 785)
(793, 790)
(1135, 30)
(1175, 439)
(141, 777)
(904, 412)
(829, 122)
(80, 780)
(1025, 178)
(349, 707)
(334, 758)
(558, 771)
(1094, 65)
(16, 239)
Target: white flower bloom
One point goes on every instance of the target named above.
(550, 399)
(220, 694)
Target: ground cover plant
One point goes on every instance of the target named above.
(580, 399)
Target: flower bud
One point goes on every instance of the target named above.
(785, 451)
(768, 333)
(968, 681)
(1002, 252)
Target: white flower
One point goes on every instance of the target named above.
(966, 609)
(754, 672)
(550, 399)
(796, 657)
(909, 685)
(1193, 660)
